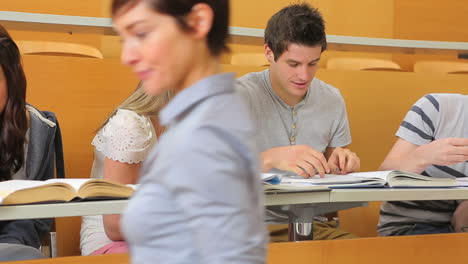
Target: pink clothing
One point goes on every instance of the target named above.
(112, 248)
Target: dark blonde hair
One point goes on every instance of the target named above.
(142, 103)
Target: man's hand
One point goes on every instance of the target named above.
(460, 218)
(300, 159)
(445, 151)
(342, 161)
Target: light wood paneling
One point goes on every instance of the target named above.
(365, 18)
(81, 92)
(100, 259)
(378, 101)
(383, 250)
(58, 7)
(429, 20)
(86, 39)
(93, 8)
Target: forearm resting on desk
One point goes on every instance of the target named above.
(407, 161)
(410, 157)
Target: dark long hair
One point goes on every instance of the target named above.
(13, 121)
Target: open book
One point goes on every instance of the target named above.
(60, 190)
(273, 182)
(400, 179)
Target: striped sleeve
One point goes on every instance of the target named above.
(420, 123)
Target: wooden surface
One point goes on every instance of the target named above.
(102, 259)
(390, 250)
(58, 49)
(83, 91)
(359, 64)
(240, 35)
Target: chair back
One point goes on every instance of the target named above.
(58, 49)
(452, 67)
(362, 64)
(249, 59)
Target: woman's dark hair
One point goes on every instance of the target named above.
(295, 24)
(179, 9)
(13, 121)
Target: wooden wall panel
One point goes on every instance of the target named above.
(365, 18)
(429, 20)
(93, 8)
(58, 7)
(441, 248)
(82, 92)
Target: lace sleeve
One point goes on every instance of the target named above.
(127, 137)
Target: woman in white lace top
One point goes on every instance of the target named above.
(121, 144)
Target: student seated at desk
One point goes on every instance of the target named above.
(432, 140)
(30, 144)
(121, 144)
(200, 198)
(302, 121)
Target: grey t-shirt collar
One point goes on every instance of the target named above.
(265, 78)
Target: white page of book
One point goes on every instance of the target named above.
(335, 178)
(75, 183)
(14, 185)
(10, 186)
(267, 176)
(463, 181)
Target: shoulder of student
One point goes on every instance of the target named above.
(249, 82)
(129, 120)
(126, 133)
(442, 99)
(327, 90)
(248, 86)
(45, 117)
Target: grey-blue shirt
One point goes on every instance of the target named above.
(200, 198)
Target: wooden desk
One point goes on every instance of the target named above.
(62, 209)
(300, 206)
(365, 195)
(241, 35)
(102, 259)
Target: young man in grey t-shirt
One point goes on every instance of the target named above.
(432, 140)
(302, 122)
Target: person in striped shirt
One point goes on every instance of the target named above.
(433, 141)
